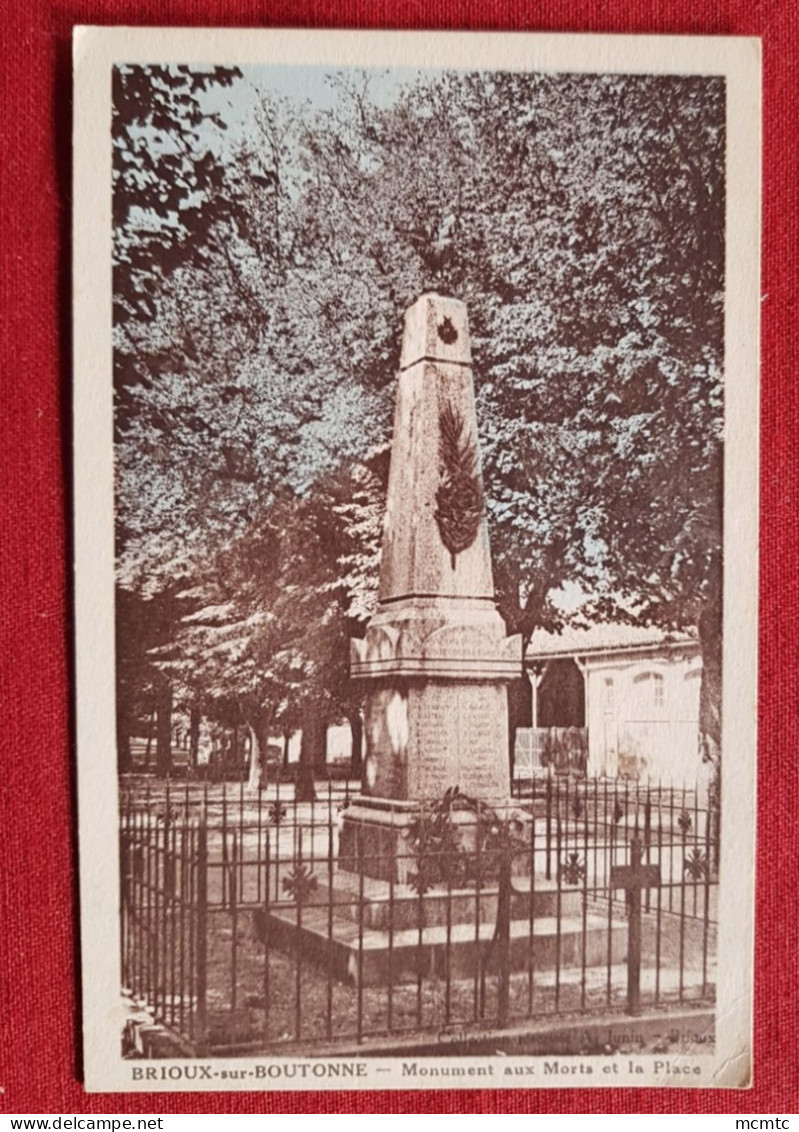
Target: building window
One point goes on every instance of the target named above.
(655, 686)
(610, 693)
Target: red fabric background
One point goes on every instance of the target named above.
(39, 976)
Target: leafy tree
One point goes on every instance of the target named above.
(581, 219)
(211, 343)
(272, 621)
(168, 179)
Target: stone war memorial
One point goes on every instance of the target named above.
(435, 868)
(436, 659)
(406, 711)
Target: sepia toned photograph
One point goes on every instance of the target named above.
(416, 512)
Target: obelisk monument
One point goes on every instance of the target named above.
(436, 659)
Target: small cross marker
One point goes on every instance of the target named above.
(633, 878)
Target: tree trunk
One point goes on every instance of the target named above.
(313, 755)
(254, 775)
(710, 706)
(319, 739)
(235, 752)
(124, 753)
(710, 629)
(194, 738)
(356, 756)
(150, 733)
(258, 728)
(163, 730)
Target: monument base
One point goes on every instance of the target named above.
(380, 836)
(375, 838)
(379, 933)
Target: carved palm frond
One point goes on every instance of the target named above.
(459, 497)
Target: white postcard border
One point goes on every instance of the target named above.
(96, 50)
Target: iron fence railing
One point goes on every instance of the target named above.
(244, 930)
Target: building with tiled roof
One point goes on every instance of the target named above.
(615, 700)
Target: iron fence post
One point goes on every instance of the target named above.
(549, 825)
(503, 927)
(201, 953)
(634, 936)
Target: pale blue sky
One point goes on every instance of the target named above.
(311, 85)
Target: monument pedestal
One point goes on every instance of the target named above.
(435, 698)
(381, 838)
(435, 718)
(378, 933)
(375, 838)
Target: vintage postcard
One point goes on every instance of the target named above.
(416, 403)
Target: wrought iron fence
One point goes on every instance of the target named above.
(244, 929)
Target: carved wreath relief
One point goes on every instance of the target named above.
(459, 497)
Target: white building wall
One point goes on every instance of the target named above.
(642, 713)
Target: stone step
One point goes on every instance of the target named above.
(377, 957)
(382, 905)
